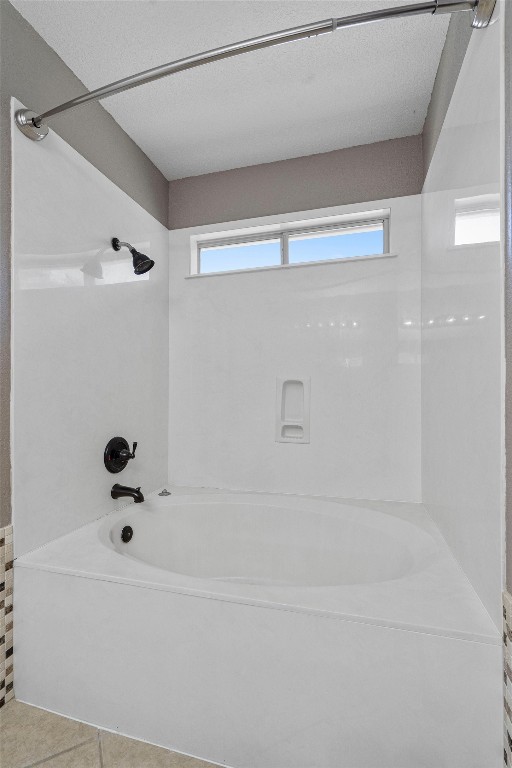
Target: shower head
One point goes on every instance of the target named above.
(141, 262)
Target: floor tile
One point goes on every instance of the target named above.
(86, 756)
(30, 734)
(182, 761)
(121, 752)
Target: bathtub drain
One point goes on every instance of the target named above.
(126, 533)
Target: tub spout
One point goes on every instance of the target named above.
(124, 490)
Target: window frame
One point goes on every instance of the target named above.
(284, 232)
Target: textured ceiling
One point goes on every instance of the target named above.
(352, 87)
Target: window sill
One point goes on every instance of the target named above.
(293, 266)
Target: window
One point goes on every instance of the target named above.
(340, 243)
(348, 239)
(240, 255)
(477, 220)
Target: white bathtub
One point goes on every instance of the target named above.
(265, 631)
(272, 541)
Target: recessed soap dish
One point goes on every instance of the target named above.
(292, 431)
(292, 410)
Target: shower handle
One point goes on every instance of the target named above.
(125, 454)
(117, 454)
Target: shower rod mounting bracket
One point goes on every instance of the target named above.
(482, 14)
(26, 122)
(33, 126)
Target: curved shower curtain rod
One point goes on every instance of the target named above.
(33, 125)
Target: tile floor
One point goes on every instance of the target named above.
(32, 737)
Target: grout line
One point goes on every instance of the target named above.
(58, 754)
(103, 729)
(100, 749)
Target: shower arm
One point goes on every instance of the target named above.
(33, 125)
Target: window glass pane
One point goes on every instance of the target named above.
(344, 243)
(477, 227)
(222, 258)
(477, 219)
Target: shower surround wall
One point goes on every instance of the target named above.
(90, 341)
(352, 328)
(462, 303)
(40, 78)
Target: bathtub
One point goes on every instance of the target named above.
(263, 541)
(264, 631)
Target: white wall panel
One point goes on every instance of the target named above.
(351, 328)
(90, 352)
(462, 319)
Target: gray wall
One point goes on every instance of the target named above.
(32, 72)
(457, 41)
(368, 172)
